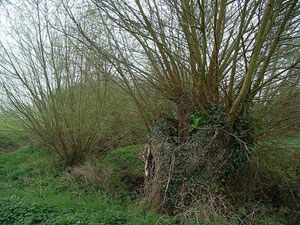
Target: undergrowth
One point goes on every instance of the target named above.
(268, 187)
(35, 190)
(108, 188)
(119, 173)
(15, 210)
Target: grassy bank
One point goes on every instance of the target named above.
(36, 190)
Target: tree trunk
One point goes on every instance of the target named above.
(179, 168)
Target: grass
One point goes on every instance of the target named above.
(34, 189)
(123, 171)
(26, 173)
(31, 185)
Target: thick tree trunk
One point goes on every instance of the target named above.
(178, 168)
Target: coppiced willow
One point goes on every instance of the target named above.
(199, 53)
(219, 66)
(214, 60)
(52, 85)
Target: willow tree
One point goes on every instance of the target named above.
(214, 60)
(51, 84)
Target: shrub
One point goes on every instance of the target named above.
(53, 86)
(121, 124)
